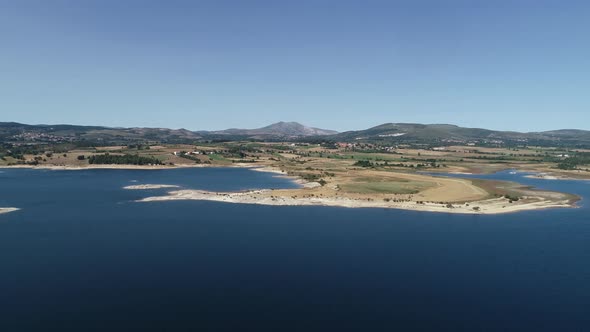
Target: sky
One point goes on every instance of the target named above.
(342, 65)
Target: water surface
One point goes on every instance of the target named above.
(82, 256)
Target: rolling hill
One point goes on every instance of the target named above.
(441, 134)
(12, 131)
(388, 133)
(275, 130)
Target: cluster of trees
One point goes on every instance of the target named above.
(367, 163)
(420, 165)
(128, 159)
(311, 177)
(244, 161)
(575, 161)
(397, 200)
(241, 151)
(363, 163)
(512, 198)
(185, 155)
(138, 146)
(18, 152)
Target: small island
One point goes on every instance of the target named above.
(7, 210)
(149, 186)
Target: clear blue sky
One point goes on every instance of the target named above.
(515, 65)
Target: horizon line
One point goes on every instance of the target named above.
(296, 122)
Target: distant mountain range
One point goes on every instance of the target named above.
(275, 130)
(389, 133)
(448, 134)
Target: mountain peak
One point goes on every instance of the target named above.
(279, 129)
(292, 128)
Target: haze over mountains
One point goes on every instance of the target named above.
(389, 133)
(279, 129)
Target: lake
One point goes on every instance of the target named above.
(81, 255)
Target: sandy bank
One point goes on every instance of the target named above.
(549, 176)
(76, 168)
(6, 210)
(150, 186)
(266, 197)
(543, 176)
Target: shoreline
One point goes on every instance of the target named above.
(550, 176)
(7, 210)
(487, 206)
(258, 168)
(266, 197)
(150, 186)
(101, 166)
(268, 169)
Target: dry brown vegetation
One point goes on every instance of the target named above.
(332, 173)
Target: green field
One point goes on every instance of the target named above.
(217, 157)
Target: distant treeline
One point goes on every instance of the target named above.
(429, 163)
(574, 162)
(128, 159)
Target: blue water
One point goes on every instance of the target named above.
(82, 256)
